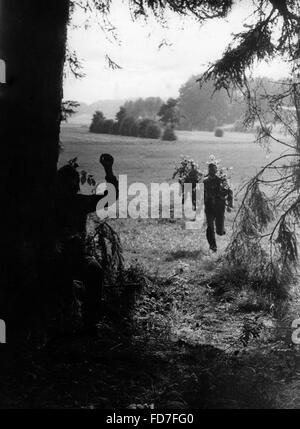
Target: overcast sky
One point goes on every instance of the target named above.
(146, 69)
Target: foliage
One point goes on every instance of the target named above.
(68, 109)
(104, 243)
(121, 115)
(153, 131)
(143, 125)
(97, 122)
(169, 134)
(84, 177)
(202, 10)
(196, 106)
(251, 330)
(73, 65)
(169, 113)
(186, 170)
(211, 123)
(116, 128)
(143, 108)
(128, 127)
(258, 43)
(125, 125)
(219, 132)
(107, 126)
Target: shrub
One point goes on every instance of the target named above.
(219, 132)
(97, 122)
(169, 134)
(115, 129)
(143, 126)
(107, 126)
(135, 129)
(153, 131)
(211, 123)
(128, 127)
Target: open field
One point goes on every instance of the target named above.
(160, 244)
(147, 160)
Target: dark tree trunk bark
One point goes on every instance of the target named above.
(32, 43)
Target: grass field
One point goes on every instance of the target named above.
(147, 160)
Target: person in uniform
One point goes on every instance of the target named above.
(217, 196)
(71, 211)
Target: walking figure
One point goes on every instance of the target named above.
(217, 195)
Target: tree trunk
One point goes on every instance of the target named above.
(32, 44)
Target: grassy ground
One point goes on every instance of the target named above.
(190, 342)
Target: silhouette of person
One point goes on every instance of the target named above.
(217, 195)
(72, 210)
(193, 179)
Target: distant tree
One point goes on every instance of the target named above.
(135, 129)
(107, 126)
(143, 108)
(169, 113)
(153, 130)
(116, 128)
(211, 123)
(196, 106)
(97, 122)
(169, 134)
(143, 125)
(121, 115)
(128, 127)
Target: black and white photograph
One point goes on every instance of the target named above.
(150, 207)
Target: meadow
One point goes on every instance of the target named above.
(147, 160)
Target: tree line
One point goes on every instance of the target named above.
(129, 122)
(204, 109)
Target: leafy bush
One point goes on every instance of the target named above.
(135, 129)
(169, 134)
(107, 126)
(211, 123)
(128, 127)
(144, 123)
(153, 131)
(219, 132)
(187, 171)
(97, 122)
(115, 129)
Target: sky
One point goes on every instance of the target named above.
(148, 70)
